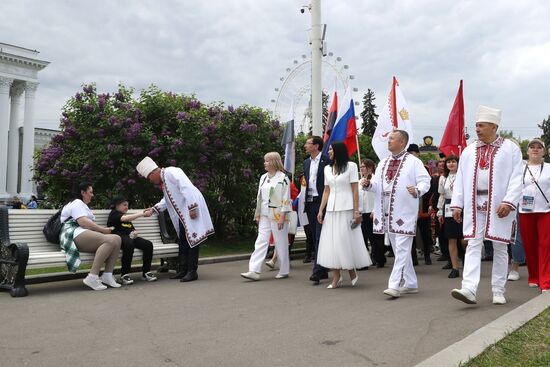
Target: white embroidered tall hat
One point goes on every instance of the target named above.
(146, 166)
(488, 114)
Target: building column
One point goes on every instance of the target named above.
(28, 141)
(5, 84)
(13, 138)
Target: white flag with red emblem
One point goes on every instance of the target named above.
(395, 115)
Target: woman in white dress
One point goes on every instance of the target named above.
(341, 245)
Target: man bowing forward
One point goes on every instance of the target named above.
(188, 212)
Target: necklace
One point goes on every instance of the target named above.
(269, 177)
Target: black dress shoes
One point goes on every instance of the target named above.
(189, 277)
(454, 273)
(306, 260)
(315, 279)
(179, 275)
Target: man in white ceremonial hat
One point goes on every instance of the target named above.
(399, 181)
(188, 212)
(486, 193)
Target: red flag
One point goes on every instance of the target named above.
(332, 113)
(454, 139)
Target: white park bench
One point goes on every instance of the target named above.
(23, 245)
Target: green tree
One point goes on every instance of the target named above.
(545, 127)
(369, 115)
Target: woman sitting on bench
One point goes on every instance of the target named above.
(81, 234)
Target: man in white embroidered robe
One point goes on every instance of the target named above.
(188, 212)
(486, 191)
(400, 180)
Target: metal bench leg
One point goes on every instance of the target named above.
(20, 253)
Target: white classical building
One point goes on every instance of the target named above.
(19, 69)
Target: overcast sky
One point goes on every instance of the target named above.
(236, 51)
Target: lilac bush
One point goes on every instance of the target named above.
(103, 137)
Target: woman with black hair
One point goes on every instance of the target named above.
(341, 245)
(121, 221)
(80, 233)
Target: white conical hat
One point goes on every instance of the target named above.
(488, 114)
(146, 166)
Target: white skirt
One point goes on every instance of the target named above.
(341, 247)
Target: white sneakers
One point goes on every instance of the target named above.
(251, 275)
(513, 275)
(149, 277)
(498, 299)
(94, 283)
(393, 293)
(126, 279)
(270, 264)
(464, 295)
(281, 276)
(108, 279)
(405, 290)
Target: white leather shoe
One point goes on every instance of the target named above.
(464, 295)
(498, 299)
(405, 290)
(513, 275)
(338, 284)
(251, 275)
(270, 264)
(393, 293)
(281, 276)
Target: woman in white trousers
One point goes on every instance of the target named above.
(273, 204)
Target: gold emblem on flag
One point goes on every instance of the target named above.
(404, 114)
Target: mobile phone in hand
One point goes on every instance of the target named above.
(353, 224)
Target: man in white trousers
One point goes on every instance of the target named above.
(486, 192)
(400, 180)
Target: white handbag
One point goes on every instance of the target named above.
(292, 222)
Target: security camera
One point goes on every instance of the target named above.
(302, 10)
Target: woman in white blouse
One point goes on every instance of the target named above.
(534, 216)
(341, 245)
(272, 205)
(451, 228)
(81, 231)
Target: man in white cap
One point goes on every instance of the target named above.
(486, 193)
(188, 212)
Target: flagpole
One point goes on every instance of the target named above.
(358, 152)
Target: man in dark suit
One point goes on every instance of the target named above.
(314, 167)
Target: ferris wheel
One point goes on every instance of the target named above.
(295, 90)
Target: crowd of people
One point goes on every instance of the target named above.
(353, 217)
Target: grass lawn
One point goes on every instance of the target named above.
(210, 248)
(528, 346)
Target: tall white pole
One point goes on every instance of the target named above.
(16, 92)
(316, 68)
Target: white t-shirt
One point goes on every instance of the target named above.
(76, 209)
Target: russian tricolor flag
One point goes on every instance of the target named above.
(345, 128)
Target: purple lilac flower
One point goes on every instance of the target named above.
(119, 96)
(276, 124)
(172, 162)
(114, 122)
(88, 89)
(248, 128)
(228, 156)
(178, 142)
(203, 159)
(65, 173)
(131, 181)
(78, 97)
(218, 143)
(136, 152)
(247, 172)
(88, 108)
(133, 132)
(194, 104)
(181, 116)
(247, 151)
(231, 109)
(51, 172)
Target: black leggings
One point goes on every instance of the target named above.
(128, 246)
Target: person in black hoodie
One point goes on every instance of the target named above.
(123, 227)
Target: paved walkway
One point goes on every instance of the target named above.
(224, 320)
